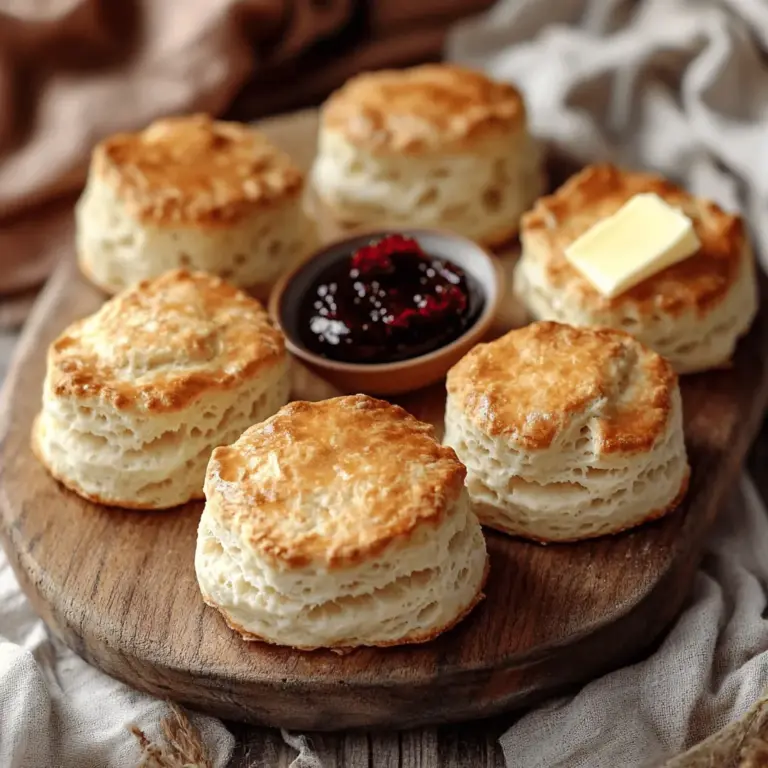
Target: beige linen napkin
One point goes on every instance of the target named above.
(680, 86)
(57, 711)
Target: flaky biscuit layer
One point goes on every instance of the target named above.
(339, 524)
(567, 433)
(137, 395)
(191, 192)
(194, 170)
(416, 587)
(332, 482)
(692, 313)
(431, 107)
(159, 345)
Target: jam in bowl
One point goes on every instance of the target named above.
(389, 311)
(387, 301)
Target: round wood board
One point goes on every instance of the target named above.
(119, 586)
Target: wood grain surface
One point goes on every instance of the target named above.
(472, 745)
(119, 588)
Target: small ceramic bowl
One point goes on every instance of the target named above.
(404, 375)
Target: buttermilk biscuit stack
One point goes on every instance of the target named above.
(567, 433)
(195, 193)
(137, 395)
(339, 524)
(432, 146)
(692, 313)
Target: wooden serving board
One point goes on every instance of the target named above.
(119, 586)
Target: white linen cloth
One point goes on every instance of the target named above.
(679, 86)
(57, 711)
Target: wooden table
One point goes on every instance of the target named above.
(464, 746)
(472, 745)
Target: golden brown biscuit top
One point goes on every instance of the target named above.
(597, 192)
(332, 482)
(159, 345)
(195, 171)
(535, 383)
(430, 107)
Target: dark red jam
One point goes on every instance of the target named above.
(388, 301)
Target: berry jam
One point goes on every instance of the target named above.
(386, 302)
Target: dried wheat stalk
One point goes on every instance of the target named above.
(180, 747)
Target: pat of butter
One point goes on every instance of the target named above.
(645, 236)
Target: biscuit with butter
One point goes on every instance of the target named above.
(567, 433)
(137, 395)
(337, 524)
(191, 192)
(693, 312)
(432, 146)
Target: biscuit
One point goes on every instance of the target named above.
(137, 395)
(567, 433)
(338, 524)
(191, 192)
(692, 313)
(432, 146)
